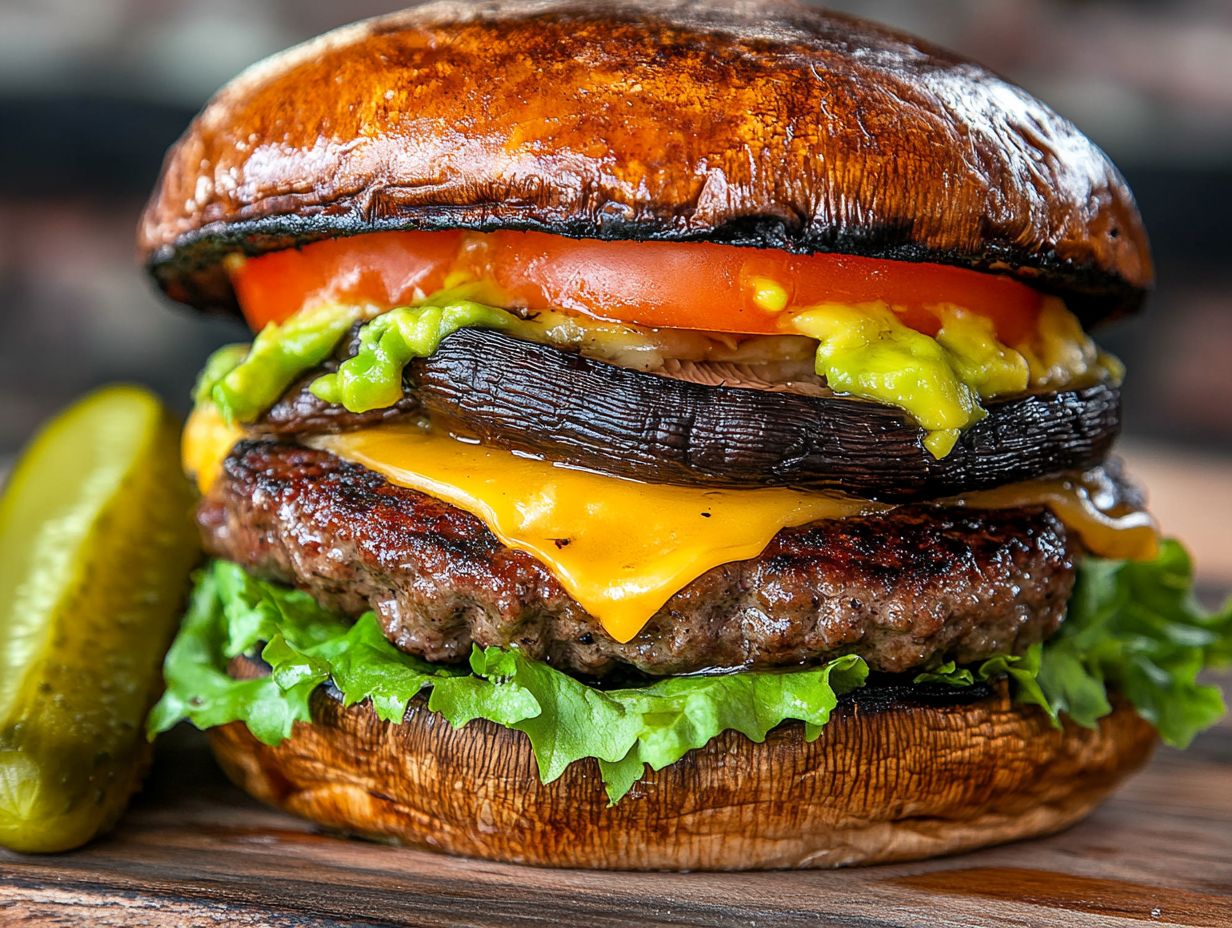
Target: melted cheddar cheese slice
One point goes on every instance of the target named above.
(622, 548)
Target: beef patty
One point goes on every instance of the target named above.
(905, 589)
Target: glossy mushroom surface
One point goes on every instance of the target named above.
(644, 426)
(775, 125)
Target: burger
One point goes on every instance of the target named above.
(671, 438)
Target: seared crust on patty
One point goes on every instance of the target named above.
(906, 589)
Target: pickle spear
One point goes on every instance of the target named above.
(96, 546)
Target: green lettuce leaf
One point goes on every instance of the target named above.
(1133, 626)
(565, 720)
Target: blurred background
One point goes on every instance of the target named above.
(93, 91)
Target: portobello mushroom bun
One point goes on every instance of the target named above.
(671, 439)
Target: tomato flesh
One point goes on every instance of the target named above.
(701, 286)
(381, 269)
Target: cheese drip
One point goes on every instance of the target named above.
(622, 548)
(1087, 507)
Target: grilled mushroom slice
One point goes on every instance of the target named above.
(645, 426)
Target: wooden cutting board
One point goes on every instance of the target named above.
(194, 851)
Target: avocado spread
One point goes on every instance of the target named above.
(245, 384)
(372, 378)
(863, 351)
(867, 352)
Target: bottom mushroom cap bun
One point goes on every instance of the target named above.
(900, 774)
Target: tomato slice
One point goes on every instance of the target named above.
(381, 269)
(701, 286)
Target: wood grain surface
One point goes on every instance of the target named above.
(195, 851)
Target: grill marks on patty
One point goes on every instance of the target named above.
(906, 589)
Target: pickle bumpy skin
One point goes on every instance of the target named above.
(98, 543)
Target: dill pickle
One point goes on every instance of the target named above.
(96, 546)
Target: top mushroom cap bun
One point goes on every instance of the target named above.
(772, 125)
